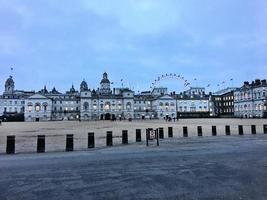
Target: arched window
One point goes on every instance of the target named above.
(160, 104)
(86, 106)
(128, 106)
(45, 106)
(107, 106)
(37, 107)
(29, 107)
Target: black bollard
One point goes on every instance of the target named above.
(240, 130)
(157, 136)
(227, 130)
(91, 140)
(124, 137)
(199, 131)
(265, 128)
(253, 129)
(109, 138)
(69, 142)
(170, 131)
(213, 130)
(138, 135)
(40, 143)
(185, 131)
(161, 133)
(147, 135)
(10, 144)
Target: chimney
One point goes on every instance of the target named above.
(257, 82)
(246, 83)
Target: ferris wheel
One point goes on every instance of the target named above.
(170, 76)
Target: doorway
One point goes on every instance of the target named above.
(107, 116)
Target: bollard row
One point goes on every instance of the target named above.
(159, 133)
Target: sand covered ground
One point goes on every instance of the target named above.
(55, 132)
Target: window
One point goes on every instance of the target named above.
(86, 106)
(107, 106)
(45, 107)
(37, 107)
(128, 106)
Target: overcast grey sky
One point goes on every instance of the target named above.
(57, 43)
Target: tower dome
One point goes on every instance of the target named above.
(72, 89)
(105, 78)
(105, 85)
(9, 85)
(83, 86)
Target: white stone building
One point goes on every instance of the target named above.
(101, 104)
(38, 108)
(250, 100)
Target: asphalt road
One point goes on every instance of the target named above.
(225, 167)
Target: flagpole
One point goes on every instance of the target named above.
(11, 70)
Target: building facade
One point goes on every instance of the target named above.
(106, 103)
(223, 103)
(250, 100)
(101, 104)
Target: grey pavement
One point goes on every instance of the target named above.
(222, 167)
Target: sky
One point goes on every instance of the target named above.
(61, 42)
